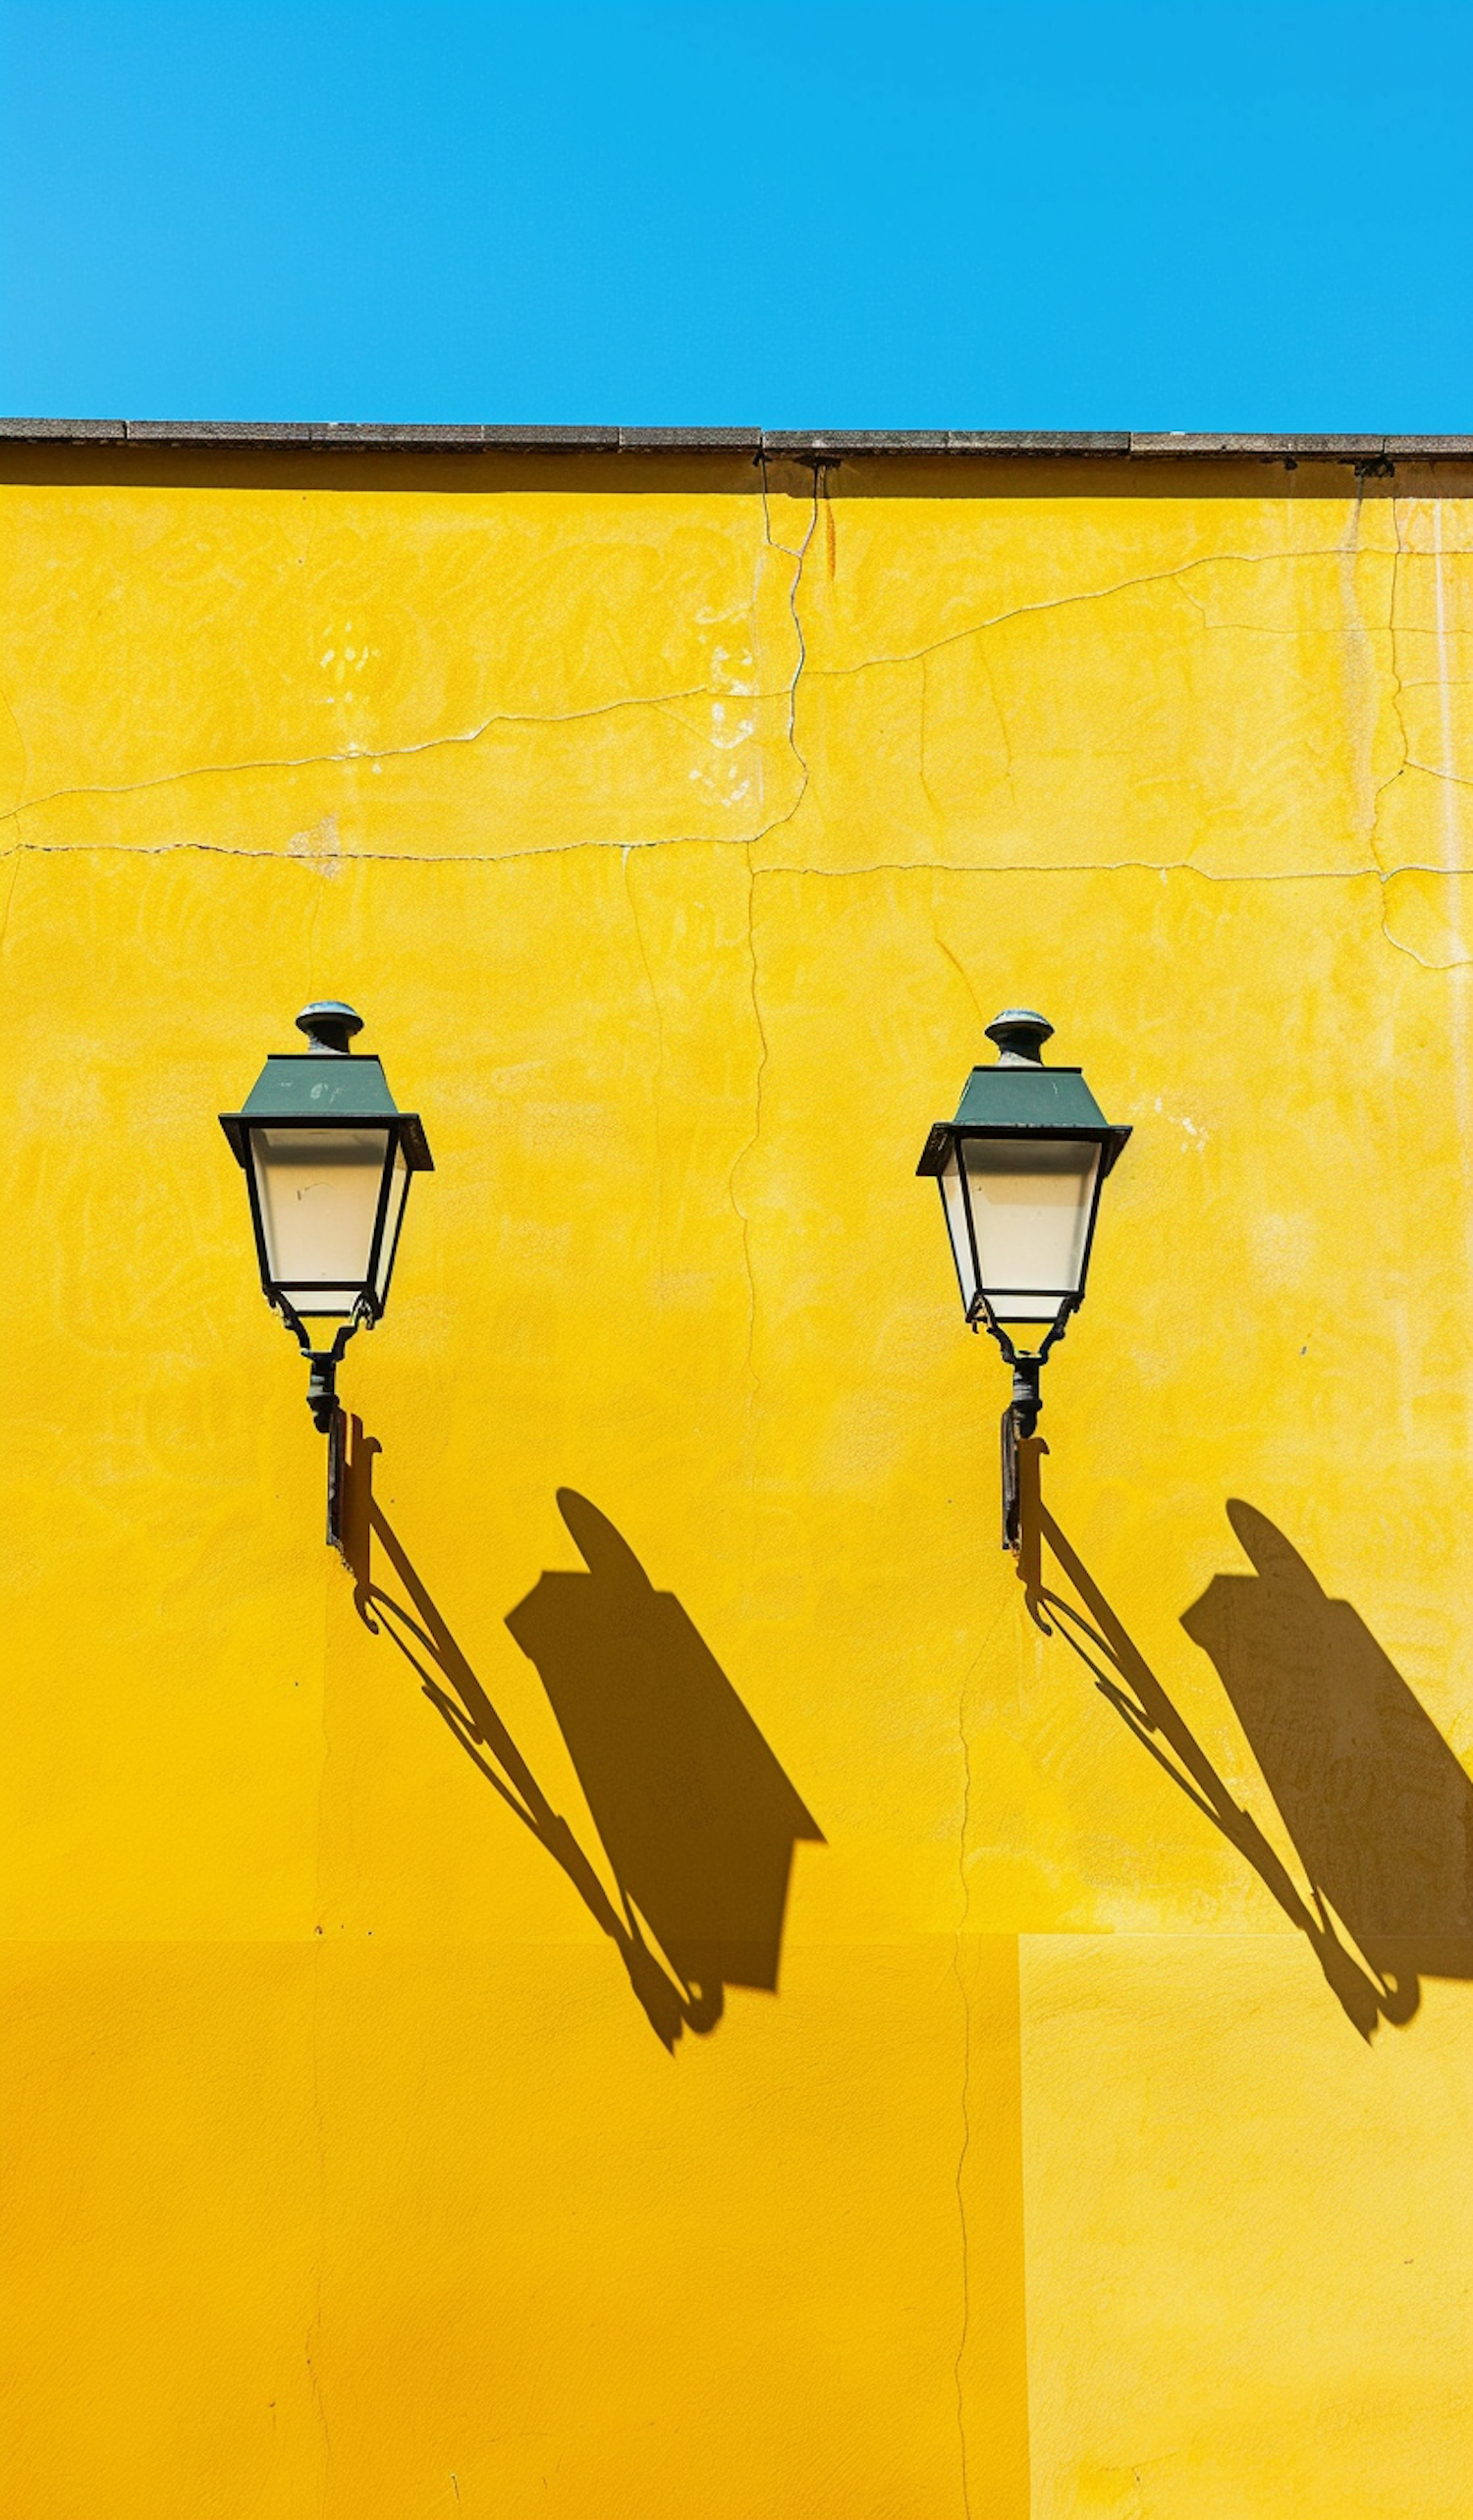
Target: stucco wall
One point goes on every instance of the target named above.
(678, 832)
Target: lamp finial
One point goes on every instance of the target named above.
(329, 1026)
(1019, 1035)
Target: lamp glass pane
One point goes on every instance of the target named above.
(318, 1191)
(1031, 1202)
(399, 1183)
(952, 1200)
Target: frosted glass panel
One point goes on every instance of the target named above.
(318, 1192)
(955, 1205)
(1031, 1206)
(398, 1185)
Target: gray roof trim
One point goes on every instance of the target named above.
(805, 445)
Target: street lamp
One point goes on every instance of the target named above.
(1019, 1171)
(327, 1157)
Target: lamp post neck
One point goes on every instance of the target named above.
(1028, 1394)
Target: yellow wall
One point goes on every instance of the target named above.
(676, 843)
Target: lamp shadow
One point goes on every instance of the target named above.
(695, 1815)
(1379, 1809)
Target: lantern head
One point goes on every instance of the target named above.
(327, 1156)
(1019, 1170)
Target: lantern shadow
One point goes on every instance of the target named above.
(1378, 1807)
(695, 1813)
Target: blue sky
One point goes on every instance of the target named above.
(1058, 213)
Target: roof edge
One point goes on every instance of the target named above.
(803, 445)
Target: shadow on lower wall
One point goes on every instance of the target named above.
(1379, 1809)
(694, 1815)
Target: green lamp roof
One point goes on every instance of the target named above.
(326, 1085)
(1019, 1093)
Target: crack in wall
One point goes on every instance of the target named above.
(1398, 712)
(348, 755)
(932, 799)
(1454, 962)
(1360, 662)
(719, 841)
(788, 692)
(798, 559)
(957, 966)
(958, 1941)
(1172, 576)
(1454, 777)
(1408, 762)
(929, 868)
(1374, 835)
(967, 2087)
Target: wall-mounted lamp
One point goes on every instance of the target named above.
(1019, 1170)
(327, 1157)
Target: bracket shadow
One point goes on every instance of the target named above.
(1379, 1808)
(695, 1813)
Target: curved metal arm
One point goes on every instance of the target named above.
(322, 1363)
(1021, 1414)
(993, 1326)
(322, 1400)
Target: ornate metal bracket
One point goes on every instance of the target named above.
(327, 1416)
(1021, 1414)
